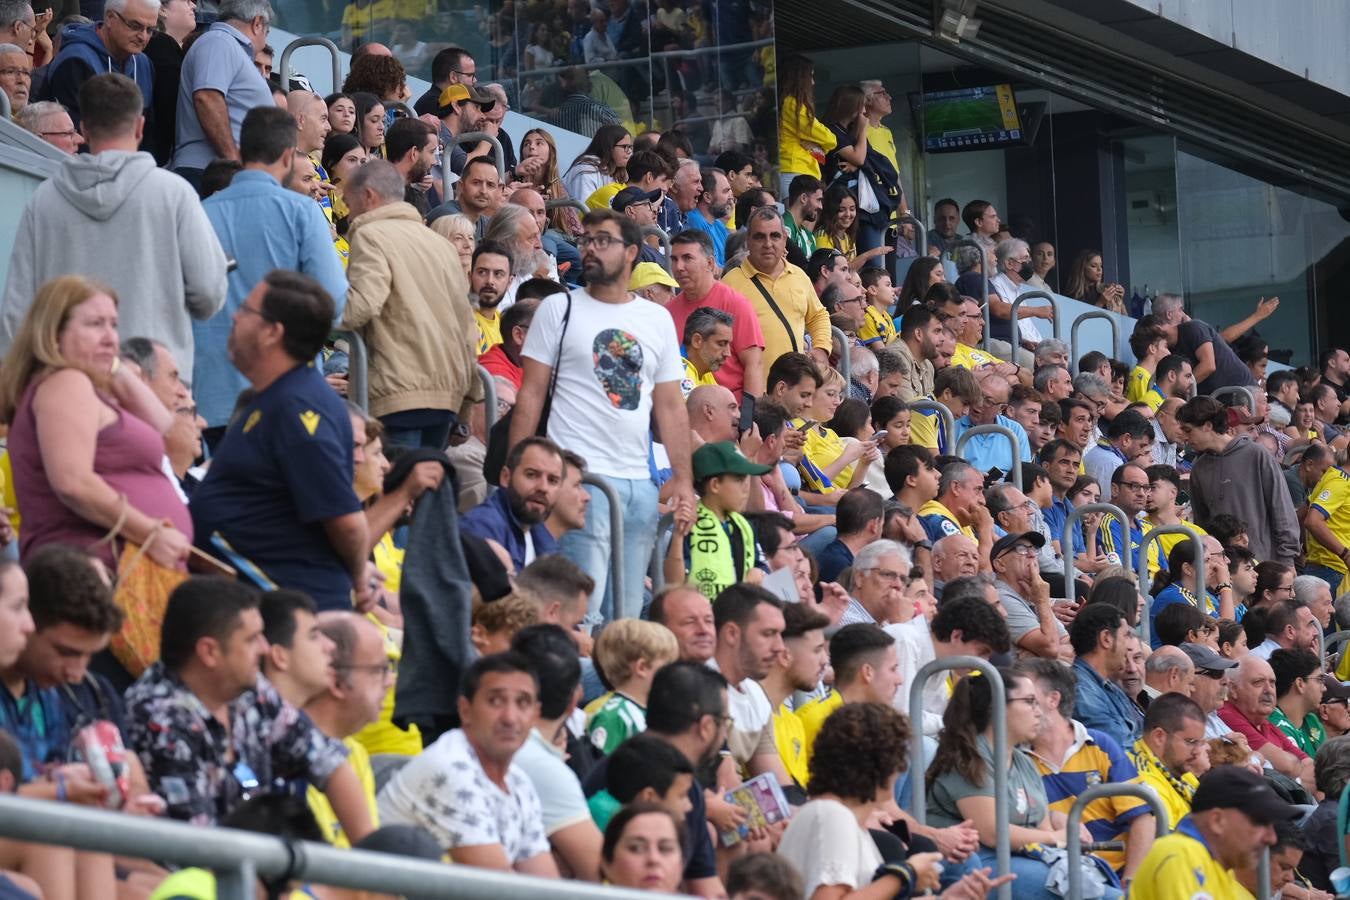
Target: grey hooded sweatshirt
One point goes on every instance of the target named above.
(119, 219)
(1245, 481)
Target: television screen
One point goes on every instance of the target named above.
(974, 118)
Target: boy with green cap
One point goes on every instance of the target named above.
(720, 549)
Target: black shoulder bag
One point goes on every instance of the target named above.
(499, 438)
(773, 305)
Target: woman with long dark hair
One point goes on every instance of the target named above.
(1177, 584)
(803, 140)
(1086, 282)
(923, 274)
(604, 161)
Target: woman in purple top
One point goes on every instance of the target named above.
(85, 432)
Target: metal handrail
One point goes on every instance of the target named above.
(999, 707)
(948, 420)
(1335, 639)
(315, 41)
(1013, 447)
(616, 585)
(1017, 304)
(1086, 317)
(1248, 395)
(656, 570)
(477, 137)
(920, 232)
(1263, 874)
(489, 382)
(1066, 536)
(358, 369)
(240, 857)
(566, 203)
(1074, 846)
(984, 292)
(658, 232)
(5, 109)
(1141, 570)
(840, 341)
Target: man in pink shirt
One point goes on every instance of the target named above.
(1250, 703)
(695, 268)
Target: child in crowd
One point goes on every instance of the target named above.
(494, 624)
(627, 655)
(720, 550)
(646, 768)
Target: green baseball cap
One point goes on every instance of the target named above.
(722, 458)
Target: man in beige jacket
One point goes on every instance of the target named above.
(408, 298)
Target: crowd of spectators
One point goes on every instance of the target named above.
(348, 602)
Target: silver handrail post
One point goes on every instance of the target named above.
(984, 291)
(845, 364)
(920, 233)
(1086, 317)
(6, 111)
(1263, 875)
(918, 803)
(566, 203)
(285, 64)
(477, 137)
(616, 585)
(1013, 448)
(656, 571)
(358, 369)
(1074, 846)
(945, 414)
(1017, 304)
(658, 232)
(238, 882)
(1248, 395)
(1066, 536)
(1141, 570)
(489, 398)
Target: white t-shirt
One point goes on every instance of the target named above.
(1027, 327)
(560, 794)
(914, 650)
(444, 790)
(828, 846)
(613, 355)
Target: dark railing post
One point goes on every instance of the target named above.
(1017, 305)
(358, 369)
(284, 65)
(656, 571)
(845, 363)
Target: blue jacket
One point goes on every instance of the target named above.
(1102, 705)
(492, 519)
(84, 55)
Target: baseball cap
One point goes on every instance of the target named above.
(1205, 658)
(630, 195)
(1335, 689)
(457, 93)
(649, 273)
(1228, 787)
(722, 458)
(1008, 541)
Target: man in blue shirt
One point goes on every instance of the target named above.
(277, 502)
(1129, 487)
(990, 451)
(1129, 438)
(514, 516)
(1100, 637)
(714, 205)
(264, 226)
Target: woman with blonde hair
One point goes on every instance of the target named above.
(538, 167)
(457, 228)
(86, 433)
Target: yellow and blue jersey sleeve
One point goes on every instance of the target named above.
(878, 330)
(1329, 500)
(1137, 385)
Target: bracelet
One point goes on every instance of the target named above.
(60, 779)
(1224, 586)
(902, 871)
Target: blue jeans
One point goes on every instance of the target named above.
(1327, 574)
(1031, 873)
(590, 547)
(435, 436)
(869, 238)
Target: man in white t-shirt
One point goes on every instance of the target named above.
(619, 368)
(749, 623)
(466, 790)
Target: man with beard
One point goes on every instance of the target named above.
(798, 668)
(619, 368)
(489, 276)
(514, 516)
(805, 197)
(714, 205)
(515, 228)
(749, 623)
(411, 147)
(408, 298)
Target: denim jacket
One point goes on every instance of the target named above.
(1102, 705)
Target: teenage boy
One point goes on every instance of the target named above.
(720, 549)
(1149, 346)
(955, 388)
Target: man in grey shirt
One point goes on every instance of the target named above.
(1026, 597)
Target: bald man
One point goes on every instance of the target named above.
(954, 556)
(1168, 670)
(1251, 700)
(714, 414)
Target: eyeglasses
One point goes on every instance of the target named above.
(1132, 485)
(1031, 702)
(383, 669)
(257, 312)
(72, 133)
(600, 241)
(860, 300)
(889, 576)
(627, 146)
(133, 27)
(1022, 550)
(472, 76)
(16, 72)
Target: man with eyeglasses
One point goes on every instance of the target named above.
(116, 44)
(16, 76)
(1025, 596)
(880, 577)
(991, 451)
(1129, 491)
(453, 65)
(51, 122)
(618, 363)
(1170, 750)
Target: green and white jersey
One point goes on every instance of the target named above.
(617, 719)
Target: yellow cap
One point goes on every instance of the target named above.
(647, 274)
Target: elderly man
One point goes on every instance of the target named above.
(114, 45)
(959, 508)
(714, 414)
(689, 615)
(1026, 597)
(1316, 593)
(1012, 259)
(1248, 712)
(880, 576)
(1210, 687)
(991, 451)
(49, 121)
(16, 76)
(515, 228)
(954, 556)
(1168, 670)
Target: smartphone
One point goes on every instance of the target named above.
(808, 425)
(879, 436)
(747, 413)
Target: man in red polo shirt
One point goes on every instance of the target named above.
(695, 268)
(1250, 703)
